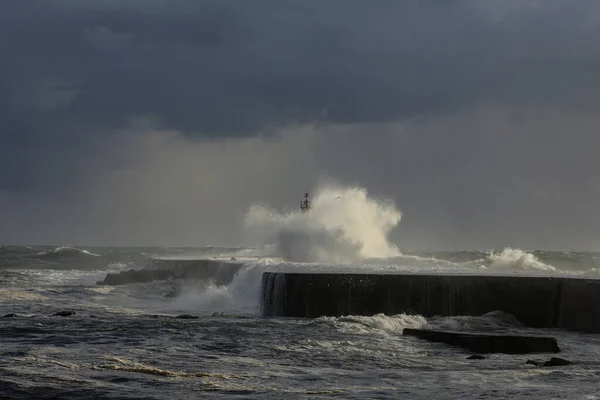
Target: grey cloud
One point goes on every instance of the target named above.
(489, 177)
(228, 67)
(107, 40)
(477, 118)
(151, 186)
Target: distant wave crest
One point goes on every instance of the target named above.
(66, 251)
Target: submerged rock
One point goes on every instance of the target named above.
(557, 362)
(488, 343)
(553, 362)
(64, 314)
(187, 316)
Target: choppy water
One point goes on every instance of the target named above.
(126, 342)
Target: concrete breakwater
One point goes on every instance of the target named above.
(536, 301)
(489, 343)
(220, 271)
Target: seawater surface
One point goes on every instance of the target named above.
(183, 339)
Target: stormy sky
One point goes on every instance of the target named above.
(146, 122)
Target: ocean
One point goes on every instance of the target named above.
(180, 339)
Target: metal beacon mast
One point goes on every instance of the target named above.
(306, 205)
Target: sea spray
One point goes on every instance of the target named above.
(345, 225)
(346, 231)
(240, 296)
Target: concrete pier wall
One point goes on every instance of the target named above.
(540, 302)
(489, 343)
(222, 272)
(578, 305)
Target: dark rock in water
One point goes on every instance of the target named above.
(11, 315)
(476, 357)
(64, 314)
(14, 354)
(486, 343)
(533, 362)
(120, 380)
(187, 316)
(553, 362)
(557, 362)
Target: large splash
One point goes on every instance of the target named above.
(345, 225)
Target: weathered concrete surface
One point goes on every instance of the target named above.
(222, 272)
(536, 301)
(487, 343)
(578, 305)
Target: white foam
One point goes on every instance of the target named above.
(516, 259)
(117, 267)
(18, 294)
(491, 321)
(389, 324)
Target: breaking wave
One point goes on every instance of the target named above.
(65, 252)
(492, 321)
(381, 322)
(345, 225)
(516, 259)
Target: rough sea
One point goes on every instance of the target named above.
(186, 340)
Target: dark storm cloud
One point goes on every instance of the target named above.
(233, 66)
(469, 114)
